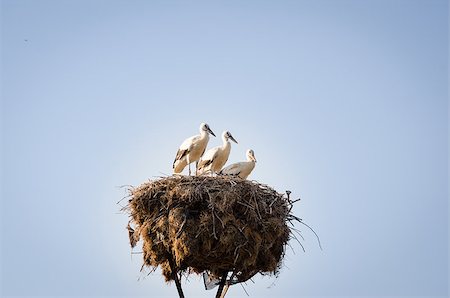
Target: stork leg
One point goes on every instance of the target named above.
(189, 164)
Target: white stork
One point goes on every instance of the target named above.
(192, 149)
(241, 169)
(214, 159)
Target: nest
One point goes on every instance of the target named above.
(216, 224)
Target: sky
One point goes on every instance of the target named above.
(344, 102)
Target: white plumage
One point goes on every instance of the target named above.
(192, 149)
(215, 158)
(241, 169)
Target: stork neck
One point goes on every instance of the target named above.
(204, 134)
(226, 143)
(226, 147)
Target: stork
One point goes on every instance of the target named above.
(192, 149)
(215, 158)
(241, 169)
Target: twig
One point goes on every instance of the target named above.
(246, 205)
(256, 204)
(214, 224)
(274, 200)
(298, 232)
(317, 236)
(295, 237)
(223, 225)
(244, 289)
(292, 203)
(182, 226)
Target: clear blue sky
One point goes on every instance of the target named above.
(345, 103)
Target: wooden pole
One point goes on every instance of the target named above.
(223, 280)
(227, 285)
(175, 276)
(224, 292)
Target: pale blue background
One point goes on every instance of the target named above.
(344, 102)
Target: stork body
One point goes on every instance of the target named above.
(241, 169)
(192, 149)
(215, 158)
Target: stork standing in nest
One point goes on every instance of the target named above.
(215, 158)
(241, 169)
(192, 149)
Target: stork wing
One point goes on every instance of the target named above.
(184, 148)
(233, 169)
(180, 154)
(208, 157)
(188, 142)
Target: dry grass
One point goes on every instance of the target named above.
(220, 224)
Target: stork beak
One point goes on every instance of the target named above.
(210, 131)
(231, 138)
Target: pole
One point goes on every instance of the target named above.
(175, 276)
(223, 280)
(224, 292)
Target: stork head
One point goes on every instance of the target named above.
(205, 127)
(251, 155)
(226, 135)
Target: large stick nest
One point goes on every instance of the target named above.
(219, 224)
